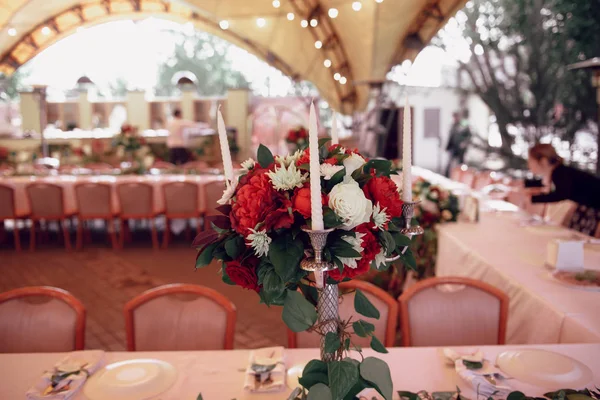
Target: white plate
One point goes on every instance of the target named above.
(544, 369)
(131, 380)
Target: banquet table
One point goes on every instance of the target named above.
(68, 182)
(219, 375)
(506, 253)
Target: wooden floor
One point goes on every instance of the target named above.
(104, 280)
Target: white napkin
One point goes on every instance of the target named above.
(565, 255)
(477, 378)
(273, 381)
(90, 360)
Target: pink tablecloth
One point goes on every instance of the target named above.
(219, 375)
(511, 257)
(68, 183)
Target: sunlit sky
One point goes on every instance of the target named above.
(133, 50)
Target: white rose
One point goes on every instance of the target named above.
(353, 163)
(348, 201)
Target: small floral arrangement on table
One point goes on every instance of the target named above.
(128, 139)
(562, 394)
(259, 241)
(298, 137)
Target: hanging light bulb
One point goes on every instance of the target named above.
(276, 3)
(327, 63)
(333, 13)
(290, 16)
(224, 24)
(261, 22)
(12, 32)
(356, 6)
(304, 23)
(314, 22)
(45, 31)
(379, 1)
(337, 76)
(343, 80)
(318, 44)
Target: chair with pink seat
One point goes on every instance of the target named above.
(211, 192)
(136, 202)
(453, 311)
(48, 204)
(41, 319)
(181, 201)
(9, 212)
(94, 201)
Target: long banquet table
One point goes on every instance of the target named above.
(219, 375)
(511, 257)
(68, 182)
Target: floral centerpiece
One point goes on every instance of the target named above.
(128, 139)
(260, 241)
(297, 138)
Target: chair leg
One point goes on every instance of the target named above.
(167, 234)
(17, 236)
(79, 238)
(198, 225)
(32, 232)
(155, 245)
(126, 231)
(112, 232)
(63, 224)
(88, 232)
(188, 231)
(2, 232)
(122, 233)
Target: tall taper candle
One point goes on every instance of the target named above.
(316, 207)
(334, 131)
(224, 143)
(406, 154)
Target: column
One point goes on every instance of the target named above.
(138, 110)
(238, 106)
(85, 110)
(188, 95)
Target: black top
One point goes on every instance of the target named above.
(572, 184)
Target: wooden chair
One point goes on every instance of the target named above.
(453, 311)
(195, 166)
(385, 326)
(181, 201)
(8, 212)
(211, 192)
(163, 165)
(188, 317)
(136, 201)
(94, 201)
(467, 176)
(482, 179)
(456, 173)
(48, 204)
(41, 319)
(100, 167)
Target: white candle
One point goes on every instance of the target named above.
(316, 207)
(406, 155)
(334, 132)
(224, 143)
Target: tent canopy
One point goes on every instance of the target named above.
(305, 39)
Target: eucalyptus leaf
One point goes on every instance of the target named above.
(264, 156)
(343, 375)
(363, 328)
(388, 241)
(206, 256)
(377, 345)
(332, 342)
(273, 288)
(377, 372)
(401, 240)
(234, 246)
(320, 392)
(363, 306)
(409, 260)
(285, 254)
(330, 218)
(298, 314)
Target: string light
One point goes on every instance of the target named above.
(356, 6)
(224, 24)
(343, 80)
(314, 22)
(379, 1)
(337, 76)
(304, 23)
(260, 22)
(276, 3)
(291, 16)
(12, 32)
(318, 44)
(45, 31)
(327, 63)
(333, 13)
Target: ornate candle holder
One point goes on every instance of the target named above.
(408, 211)
(327, 305)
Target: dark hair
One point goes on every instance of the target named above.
(177, 113)
(545, 150)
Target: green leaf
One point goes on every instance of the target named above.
(234, 246)
(337, 177)
(362, 328)
(383, 167)
(401, 240)
(343, 375)
(304, 166)
(363, 306)
(332, 342)
(408, 395)
(377, 345)
(341, 248)
(285, 254)
(338, 263)
(298, 314)
(409, 260)
(264, 156)
(226, 278)
(330, 218)
(388, 242)
(377, 373)
(323, 141)
(215, 228)
(472, 364)
(273, 288)
(199, 396)
(314, 372)
(516, 396)
(320, 392)
(206, 256)
(347, 344)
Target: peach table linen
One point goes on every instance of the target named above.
(219, 375)
(511, 257)
(68, 183)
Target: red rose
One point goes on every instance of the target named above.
(304, 158)
(371, 247)
(302, 133)
(292, 136)
(301, 201)
(242, 275)
(331, 161)
(382, 190)
(257, 201)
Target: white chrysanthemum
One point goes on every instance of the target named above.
(328, 170)
(259, 241)
(380, 217)
(287, 178)
(342, 150)
(228, 193)
(352, 163)
(289, 159)
(380, 259)
(248, 165)
(356, 243)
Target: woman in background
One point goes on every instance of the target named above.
(566, 183)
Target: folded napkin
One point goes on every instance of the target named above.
(482, 379)
(266, 370)
(67, 376)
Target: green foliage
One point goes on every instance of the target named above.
(363, 328)
(377, 345)
(273, 288)
(320, 392)
(377, 373)
(363, 306)
(343, 375)
(314, 372)
(206, 255)
(332, 342)
(264, 156)
(473, 364)
(298, 314)
(285, 254)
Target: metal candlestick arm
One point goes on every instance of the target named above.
(408, 211)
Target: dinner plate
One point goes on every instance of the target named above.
(568, 279)
(544, 369)
(131, 380)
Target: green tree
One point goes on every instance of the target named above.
(11, 86)
(520, 50)
(206, 57)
